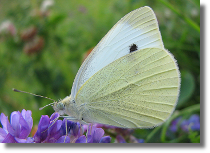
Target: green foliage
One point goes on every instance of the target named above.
(68, 30)
(194, 136)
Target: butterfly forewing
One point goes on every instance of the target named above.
(138, 27)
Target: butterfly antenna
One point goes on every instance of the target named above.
(37, 96)
(47, 105)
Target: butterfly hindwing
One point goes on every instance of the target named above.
(137, 90)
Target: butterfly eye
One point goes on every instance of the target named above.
(60, 106)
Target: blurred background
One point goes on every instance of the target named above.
(43, 44)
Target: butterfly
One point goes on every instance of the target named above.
(129, 80)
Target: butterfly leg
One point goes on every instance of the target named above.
(66, 130)
(87, 133)
(90, 129)
(68, 118)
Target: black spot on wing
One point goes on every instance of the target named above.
(133, 48)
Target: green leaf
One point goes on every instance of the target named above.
(194, 136)
(187, 87)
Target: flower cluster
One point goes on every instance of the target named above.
(50, 130)
(19, 128)
(122, 135)
(193, 123)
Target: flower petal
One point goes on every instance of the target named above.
(15, 122)
(42, 130)
(25, 130)
(4, 121)
(3, 134)
(54, 127)
(63, 139)
(81, 139)
(54, 116)
(54, 132)
(75, 129)
(90, 139)
(9, 128)
(27, 116)
(63, 127)
(28, 140)
(106, 139)
(9, 139)
(98, 134)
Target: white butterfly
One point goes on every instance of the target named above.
(129, 80)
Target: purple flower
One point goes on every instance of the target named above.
(121, 133)
(63, 139)
(192, 123)
(174, 124)
(74, 129)
(41, 133)
(140, 140)
(94, 136)
(18, 129)
(50, 130)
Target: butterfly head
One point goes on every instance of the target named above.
(61, 105)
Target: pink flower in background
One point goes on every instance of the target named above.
(8, 27)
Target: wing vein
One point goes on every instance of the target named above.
(117, 113)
